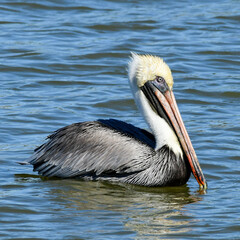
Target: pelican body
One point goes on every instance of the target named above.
(116, 151)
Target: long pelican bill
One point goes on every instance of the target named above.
(163, 101)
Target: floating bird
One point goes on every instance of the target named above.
(116, 151)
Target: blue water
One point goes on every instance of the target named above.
(65, 61)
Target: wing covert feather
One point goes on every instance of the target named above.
(94, 149)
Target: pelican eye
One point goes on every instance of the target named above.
(160, 79)
(160, 83)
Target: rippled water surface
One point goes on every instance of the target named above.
(65, 61)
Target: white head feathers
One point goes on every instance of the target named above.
(143, 68)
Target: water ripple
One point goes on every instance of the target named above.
(65, 61)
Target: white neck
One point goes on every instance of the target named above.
(163, 133)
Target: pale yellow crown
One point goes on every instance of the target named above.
(146, 67)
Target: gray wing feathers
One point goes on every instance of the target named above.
(90, 148)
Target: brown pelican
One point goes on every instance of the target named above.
(120, 152)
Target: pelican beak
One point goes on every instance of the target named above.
(168, 109)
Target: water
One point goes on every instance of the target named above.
(65, 61)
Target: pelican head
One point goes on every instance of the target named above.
(151, 82)
(147, 67)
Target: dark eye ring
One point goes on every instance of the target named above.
(160, 79)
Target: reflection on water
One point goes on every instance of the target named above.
(144, 211)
